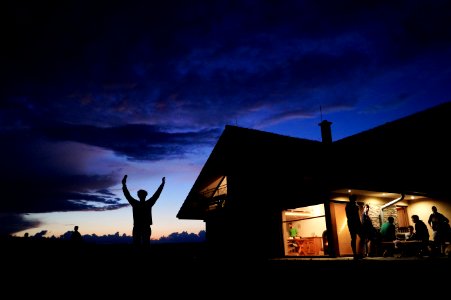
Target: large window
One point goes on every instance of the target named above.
(215, 194)
(304, 231)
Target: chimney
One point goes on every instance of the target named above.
(326, 133)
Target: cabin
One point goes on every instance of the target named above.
(255, 185)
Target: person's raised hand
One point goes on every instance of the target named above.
(163, 180)
(124, 180)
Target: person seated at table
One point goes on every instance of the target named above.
(411, 234)
(388, 235)
(410, 246)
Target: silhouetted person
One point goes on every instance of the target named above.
(354, 224)
(421, 234)
(388, 234)
(388, 230)
(368, 231)
(142, 212)
(409, 249)
(440, 227)
(411, 234)
(26, 239)
(76, 241)
(75, 237)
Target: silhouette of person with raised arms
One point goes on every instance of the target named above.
(142, 212)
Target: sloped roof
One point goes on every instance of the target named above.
(244, 150)
(411, 154)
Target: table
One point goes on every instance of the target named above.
(407, 247)
(308, 246)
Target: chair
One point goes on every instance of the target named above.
(300, 243)
(292, 246)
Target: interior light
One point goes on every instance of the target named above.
(297, 213)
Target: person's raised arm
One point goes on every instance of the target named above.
(125, 190)
(157, 193)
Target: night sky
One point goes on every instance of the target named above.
(94, 90)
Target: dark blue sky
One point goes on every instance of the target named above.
(92, 90)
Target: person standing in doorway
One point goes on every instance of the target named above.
(142, 212)
(354, 224)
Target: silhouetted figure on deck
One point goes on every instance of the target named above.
(354, 224)
(368, 232)
(142, 212)
(421, 234)
(440, 230)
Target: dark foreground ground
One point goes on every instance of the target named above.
(188, 270)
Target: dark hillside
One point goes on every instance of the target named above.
(186, 269)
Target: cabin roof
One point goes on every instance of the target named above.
(410, 154)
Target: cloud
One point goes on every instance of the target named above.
(89, 88)
(42, 176)
(207, 64)
(179, 65)
(10, 223)
(135, 141)
(62, 167)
